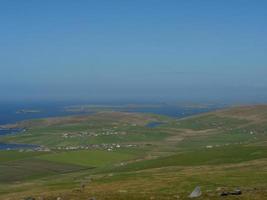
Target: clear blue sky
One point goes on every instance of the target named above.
(133, 49)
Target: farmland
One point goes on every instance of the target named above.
(117, 155)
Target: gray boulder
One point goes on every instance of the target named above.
(196, 193)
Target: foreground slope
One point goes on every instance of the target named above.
(113, 155)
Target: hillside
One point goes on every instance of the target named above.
(116, 155)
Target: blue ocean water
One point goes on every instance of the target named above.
(9, 115)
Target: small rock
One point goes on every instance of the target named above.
(29, 198)
(196, 192)
(224, 194)
(236, 192)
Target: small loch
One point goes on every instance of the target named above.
(154, 124)
(7, 146)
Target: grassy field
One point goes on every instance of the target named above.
(93, 158)
(112, 155)
(218, 156)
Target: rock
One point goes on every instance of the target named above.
(29, 198)
(224, 194)
(196, 192)
(236, 192)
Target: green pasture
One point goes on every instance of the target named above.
(215, 156)
(89, 158)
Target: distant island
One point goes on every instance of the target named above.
(25, 111)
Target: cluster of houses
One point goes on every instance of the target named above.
(227, 144)
(108, 147)
(92, 133)
(39, 149)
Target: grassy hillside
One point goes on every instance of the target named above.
(93, 158)
(113, 155)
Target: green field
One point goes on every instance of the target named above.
(93, 158)
(114, 155)
(217, 156)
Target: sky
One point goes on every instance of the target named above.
(171, 50)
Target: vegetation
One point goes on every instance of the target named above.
(93, 158)
(113, 155)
